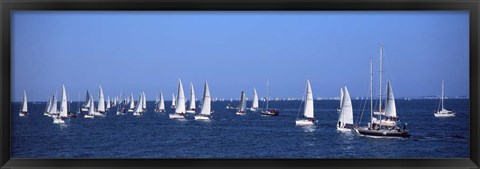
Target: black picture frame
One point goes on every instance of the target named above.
(244, 5)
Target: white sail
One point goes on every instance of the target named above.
(180, 108)
(108, 102)
(63, 104)
(162, 102)
(341, 97)
(101, 101)
(346, 112)
(87, 100)
(24, 103)
(390, 109)
(144, 101)
(138, 107)
(255, 99)
(132, 105)
(91, 112)
(206, 105)
(53, 106)
(308, 108)
(192, 98)
(47, 109)
(241, 105)
(173, 100)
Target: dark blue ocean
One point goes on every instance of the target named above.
(227, 135)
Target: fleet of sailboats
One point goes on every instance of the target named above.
(383, 121)
(441, 111)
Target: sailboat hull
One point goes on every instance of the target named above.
(383, 133)
(58, 121)
(201, 117)
(271, 112)
(240, 113)
(304, 122)
(438, 114)
(190, 111)
(23, 114)
(89, 116)
(176, 116)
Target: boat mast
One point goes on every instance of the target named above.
(371, 88)
(442, 94)
(268, 83)
(380, 79)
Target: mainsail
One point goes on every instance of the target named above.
(206, 105)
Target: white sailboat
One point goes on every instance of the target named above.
(144, 102)
(255, 101)
(63, 114)
(206, 105)
(108, 103)
(441, 111)
(53, 107)
(180, 108)
(161, 104)
(86, 105)
(132, 104)
(345, 118)
(138, 108)
(23, 108)
(308, 118)
(47, 108)
(173, 100)
(191, 107)
(91, 111)
(241, 105)
(101, 101)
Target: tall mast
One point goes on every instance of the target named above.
(380, 79)
(268, 83)
(371, 88)
(442, 94)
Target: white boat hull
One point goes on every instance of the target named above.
(241, 113)
(444, 114)
(120, 113)
(21, 114)
(58, 121)
(201, 117)
(98, 114)
(343, 129)
(304, 122)
(130, 110)
(137, 114)
(176, 116)
(89, 116)
(190, 111)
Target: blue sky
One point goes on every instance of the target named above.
(149, 51)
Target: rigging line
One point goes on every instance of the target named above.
(301, 103)
(363, 108)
